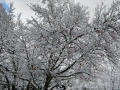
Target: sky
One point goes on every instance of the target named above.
(5, 5)
(21, 6)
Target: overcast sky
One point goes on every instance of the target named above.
(22, 7)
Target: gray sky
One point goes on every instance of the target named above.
(22, 7)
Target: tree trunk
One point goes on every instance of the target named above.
(13, 86)
(47, 82)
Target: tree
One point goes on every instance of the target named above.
(59, 48)
(10, 63)
(56, 34)
(65, 44)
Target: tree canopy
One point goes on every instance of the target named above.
(60, 48)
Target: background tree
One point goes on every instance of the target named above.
(10, 60)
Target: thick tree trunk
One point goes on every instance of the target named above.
(47, 82)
